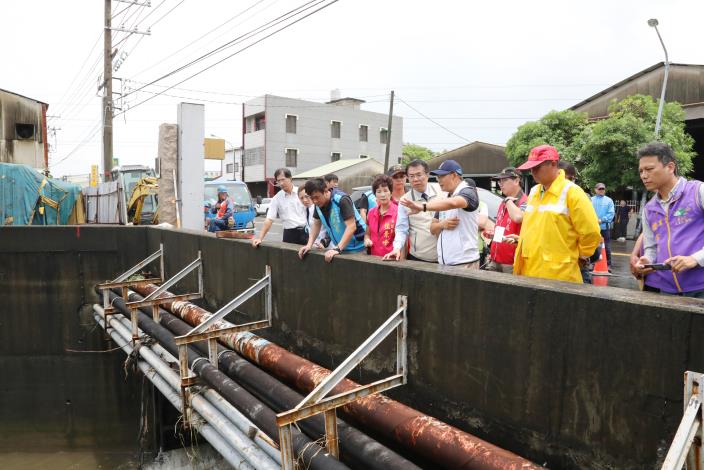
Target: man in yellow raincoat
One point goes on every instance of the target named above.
(559, 224)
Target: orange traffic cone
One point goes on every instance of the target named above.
(601, 268)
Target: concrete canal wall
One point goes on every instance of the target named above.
(575, 376)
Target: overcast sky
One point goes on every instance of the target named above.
(479, 69)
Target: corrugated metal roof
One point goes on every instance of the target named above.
(684, 85)
(332, 167)
(476, 158)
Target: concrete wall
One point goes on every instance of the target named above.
(575, 376)
(569, 375)
(53, 396)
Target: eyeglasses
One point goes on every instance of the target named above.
(601, 189)
(415, 176)
(504, 180)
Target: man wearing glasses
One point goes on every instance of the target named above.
(414, 229)
(286, 206)
(604, 208)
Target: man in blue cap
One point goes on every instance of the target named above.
(223, 210)
(455, 221)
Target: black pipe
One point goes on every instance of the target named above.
(261, 415)
(356, 448)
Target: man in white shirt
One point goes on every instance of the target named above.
(286, 206)
(415, 228)
(455, 221)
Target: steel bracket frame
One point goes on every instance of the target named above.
(687, 444)
(122, 282)
(316, 401)
(206, 331)
(155, 299)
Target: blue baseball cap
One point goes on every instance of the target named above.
(446, 167)
(222, 189)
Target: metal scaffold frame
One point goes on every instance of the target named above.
(687, 443)
(206, 332)
(316, 403)
(155, 299)
(124, 283)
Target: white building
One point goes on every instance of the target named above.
(302, 135)
(231, 165)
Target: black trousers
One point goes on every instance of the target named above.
(297, 235)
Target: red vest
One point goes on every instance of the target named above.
(503, 252)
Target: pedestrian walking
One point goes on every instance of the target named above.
(623, 213)
(604, 208)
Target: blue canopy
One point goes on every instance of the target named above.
(29, 198)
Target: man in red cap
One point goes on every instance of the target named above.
(559, 227)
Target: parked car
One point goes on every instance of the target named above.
(238, 192)
(491, 200)
(263, 206)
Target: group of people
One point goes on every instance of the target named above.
(552, 232)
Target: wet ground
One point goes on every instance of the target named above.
(620, 270)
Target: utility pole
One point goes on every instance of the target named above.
(107, 93)
(388, 132)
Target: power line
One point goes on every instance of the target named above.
(265, 26)
(198, 39)
(167, 13)
(237, 52)
(434, 122)
(78, 73)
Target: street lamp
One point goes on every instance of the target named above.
(653, 23)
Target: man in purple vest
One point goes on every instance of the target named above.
(673, 226)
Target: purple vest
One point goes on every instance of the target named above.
(680, 231)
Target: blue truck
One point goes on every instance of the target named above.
(238, 192)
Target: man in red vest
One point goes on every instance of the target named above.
(508, 221)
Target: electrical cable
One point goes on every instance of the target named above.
(264, 27)
(234, 54)
(434, 122)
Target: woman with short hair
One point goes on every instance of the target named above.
(381, 220)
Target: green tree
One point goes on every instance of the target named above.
(606, 150)
(416, 152)
(557, 128)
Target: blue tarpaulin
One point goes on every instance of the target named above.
(27, 197)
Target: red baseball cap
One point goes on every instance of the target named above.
(540, 154)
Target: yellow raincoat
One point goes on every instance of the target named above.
(559, 226)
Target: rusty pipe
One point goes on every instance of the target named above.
(424, 435)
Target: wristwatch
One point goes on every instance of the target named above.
(425, 207)
(338, 249)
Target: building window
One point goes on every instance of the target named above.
(363, 133)
(383, 135)
(334, 156)
(254, 156)
(291, 158)
(259, 122)
(364, 156)
(24, 131)
(291, 123)
(230, 168)
(335, 129)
